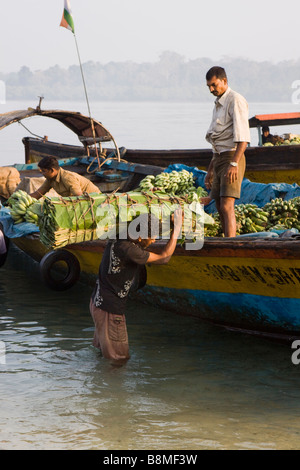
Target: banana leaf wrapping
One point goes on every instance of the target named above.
(93, 216)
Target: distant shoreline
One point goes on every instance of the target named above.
(171, 78)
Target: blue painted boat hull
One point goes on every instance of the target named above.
(260, 314)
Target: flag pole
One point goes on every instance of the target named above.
(86, 96)
(68, 23)
(82, 75)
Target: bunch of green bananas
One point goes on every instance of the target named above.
(275, 215)
(213, 230)
(177, 182)
(21, 207)
(34, 213)
(250, 218)
(147, 183)
(283, 214)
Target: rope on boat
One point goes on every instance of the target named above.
(32, 133)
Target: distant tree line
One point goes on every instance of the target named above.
(171, 78)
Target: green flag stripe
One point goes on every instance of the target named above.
(69, 19)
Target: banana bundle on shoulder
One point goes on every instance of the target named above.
(24, 208)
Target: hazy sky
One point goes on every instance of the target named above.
(140, 30)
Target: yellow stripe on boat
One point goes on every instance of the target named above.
(266, 277)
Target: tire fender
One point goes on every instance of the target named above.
(73, 269)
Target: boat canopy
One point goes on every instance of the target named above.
(78, 123)
(282, 119)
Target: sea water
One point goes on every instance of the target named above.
(187, 386)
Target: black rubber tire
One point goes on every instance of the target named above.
(72, 276)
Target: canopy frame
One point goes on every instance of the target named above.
(78, 123)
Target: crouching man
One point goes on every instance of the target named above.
(64, 182)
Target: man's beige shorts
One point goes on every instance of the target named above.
(220, 187)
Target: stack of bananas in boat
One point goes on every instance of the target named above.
(177, 183)
(283, 214)
(24, 208)
(277, 214)
(249, 219)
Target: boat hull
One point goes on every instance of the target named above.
(246, 285)
(261, 315)
(258, 293)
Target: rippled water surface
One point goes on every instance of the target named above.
(188, 385)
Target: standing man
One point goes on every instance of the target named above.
(229, 135)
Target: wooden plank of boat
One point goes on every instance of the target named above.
(264, 164)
